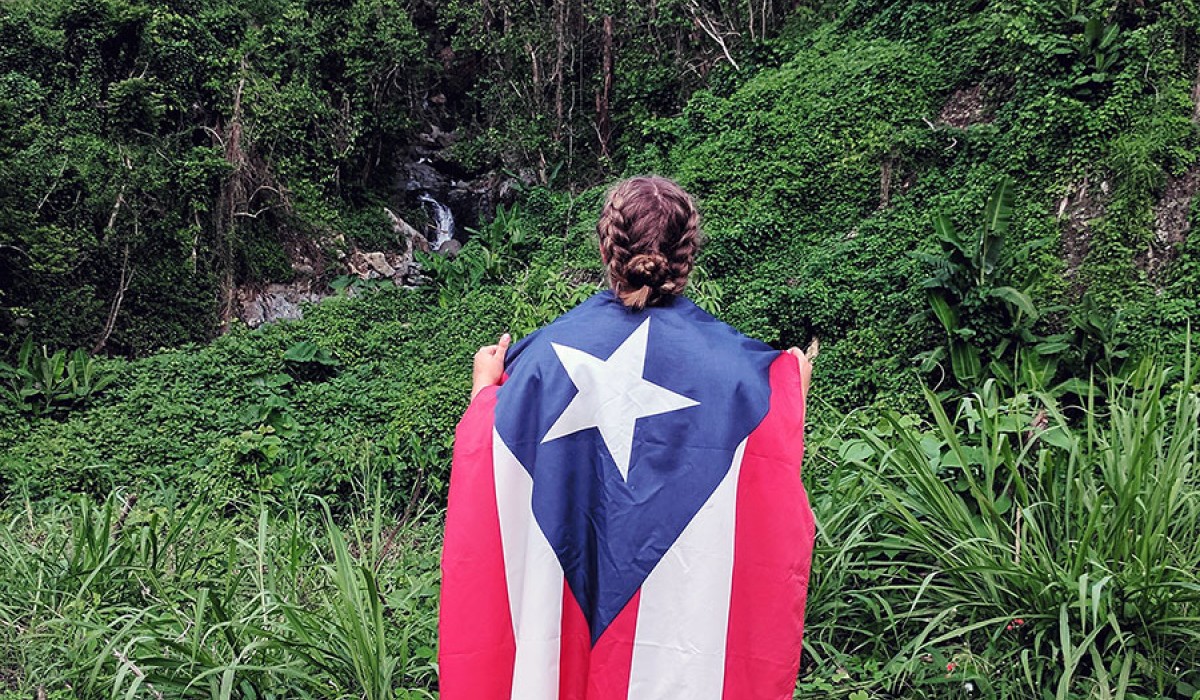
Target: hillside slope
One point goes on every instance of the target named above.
(819, 177)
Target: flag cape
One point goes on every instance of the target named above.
(626, 516)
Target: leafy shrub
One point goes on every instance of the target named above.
(984, 319)
(42, 383)
(490, 255)
(309, 360)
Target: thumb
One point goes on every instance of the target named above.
(502, 347)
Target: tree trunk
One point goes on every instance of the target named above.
(560, 50)
(603, 118)
(232, 199)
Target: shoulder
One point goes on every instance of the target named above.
(568, 324)
(716, 329)
(680, 331)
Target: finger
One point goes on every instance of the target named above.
(502, 347)
(804, 365)
(802, 360)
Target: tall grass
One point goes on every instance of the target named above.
(149, 600)
(1047, 550)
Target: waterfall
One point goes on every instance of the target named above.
(443, 219)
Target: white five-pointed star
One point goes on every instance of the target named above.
(613, 395)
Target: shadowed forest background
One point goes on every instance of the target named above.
(247, 250)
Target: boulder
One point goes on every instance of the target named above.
(379, 263)
(259, 304)
(401, 228)
(422, 177)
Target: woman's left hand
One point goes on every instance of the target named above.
(805, 369)
(489, 364)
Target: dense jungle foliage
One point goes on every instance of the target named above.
(156, 155)
(983, 210)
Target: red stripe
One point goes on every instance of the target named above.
(476, 648)
(600, 672)
(612, 657)
(576, 649)
(773, 543)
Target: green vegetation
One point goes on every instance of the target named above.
(984, 211)
(1018, 530)
(159, 155)
(250, 414)
(821, 175)
(144, 598)
(1018, 542)
(42, 382)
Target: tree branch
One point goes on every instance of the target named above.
(711, 30)
(111, 323)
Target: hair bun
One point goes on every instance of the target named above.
(647, 270)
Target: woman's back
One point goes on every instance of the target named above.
(627, 518)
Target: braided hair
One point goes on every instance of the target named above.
(649, 233)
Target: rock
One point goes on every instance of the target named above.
(1172, 224)
(423, 177)
(356, 264)
(470, 204)
(378, 262)
(1078, 211)
(529, 176)
(443, 139)
(398, 267)
(257, 305)
(436, 139)
(411, 239)
(450, 248)
(509, 190)
(400, 227)
(966, 107)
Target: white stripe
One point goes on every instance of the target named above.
(534, 577)
(683, 616)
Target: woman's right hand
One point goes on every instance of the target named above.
(489, 365)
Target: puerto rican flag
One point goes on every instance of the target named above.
(626, 516)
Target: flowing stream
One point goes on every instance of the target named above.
(443, 220)
(257, 304)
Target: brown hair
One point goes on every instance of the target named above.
(649, 233)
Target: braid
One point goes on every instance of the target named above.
(614, 235)
(649, 231)
(683, 255)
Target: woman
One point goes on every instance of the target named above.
(626, 516)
